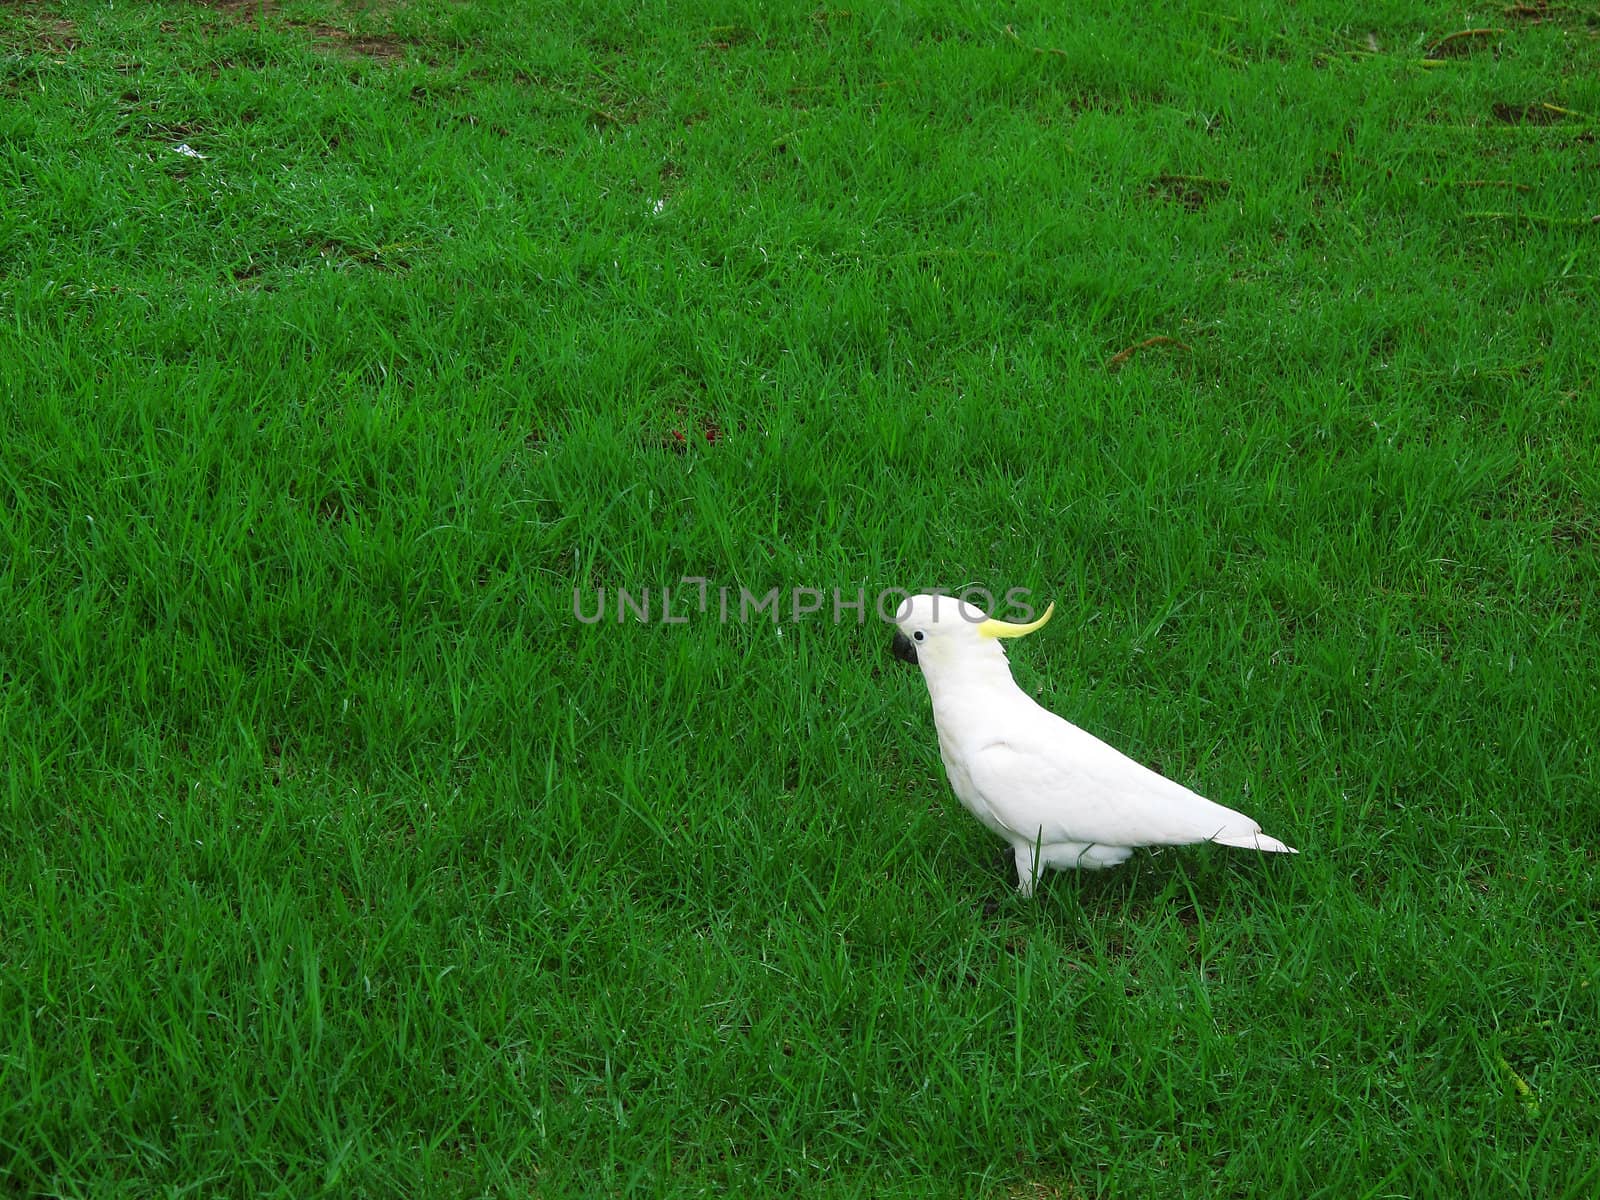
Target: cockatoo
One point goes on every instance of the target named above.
(1060, 796)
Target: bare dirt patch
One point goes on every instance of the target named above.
(25, 27)
(340, 41)
(1194, 192)
(241, 9)
(356, 45)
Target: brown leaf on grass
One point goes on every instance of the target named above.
(1541, 113)
(1115, 362)
(1461, 42)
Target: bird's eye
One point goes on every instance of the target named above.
(918, 636)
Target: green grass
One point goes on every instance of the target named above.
(337, 857)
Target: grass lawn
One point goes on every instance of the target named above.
(344, 346)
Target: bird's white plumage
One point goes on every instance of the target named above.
(1059, 795)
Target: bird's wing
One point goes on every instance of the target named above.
(1050, 780)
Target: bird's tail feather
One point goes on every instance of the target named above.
(1253, 840)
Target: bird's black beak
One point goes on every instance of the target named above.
(903, 649)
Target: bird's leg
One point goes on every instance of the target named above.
(1027, 868)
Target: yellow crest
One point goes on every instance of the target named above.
(1005, 629)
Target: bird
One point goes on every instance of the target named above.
(1060, 796)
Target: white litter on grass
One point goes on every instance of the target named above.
(187, 150)
(659, 207)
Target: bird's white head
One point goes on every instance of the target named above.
(947, 636)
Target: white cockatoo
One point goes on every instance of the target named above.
(1060, 796)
